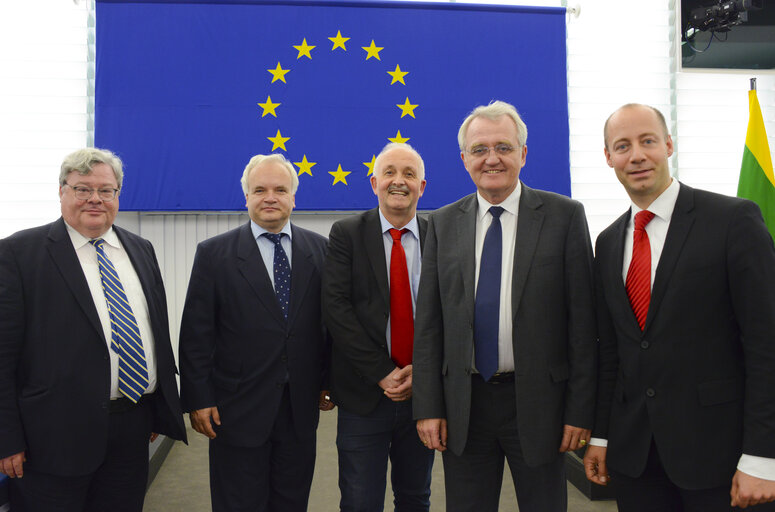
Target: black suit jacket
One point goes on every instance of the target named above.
(237, 350)
(700, 378)
(553, 321)
(356, 304)
(54, 363)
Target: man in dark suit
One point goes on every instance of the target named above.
(504, 354)
(253, 351)
(369, 288)
(87, 376)
(686, 314)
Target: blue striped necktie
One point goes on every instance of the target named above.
(125, 339)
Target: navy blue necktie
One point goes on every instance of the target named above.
(282, 273)
(488, 298)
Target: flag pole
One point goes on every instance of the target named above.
(753, 84)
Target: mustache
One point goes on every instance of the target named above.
(398, 188)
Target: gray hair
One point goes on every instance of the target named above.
(660, 119)
(400, 145)
(83, 160)
(274, 157)
(493, 111)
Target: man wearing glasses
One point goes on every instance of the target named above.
(87, 373)
(504, 350)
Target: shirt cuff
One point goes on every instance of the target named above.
(760, 467)
(596, 441)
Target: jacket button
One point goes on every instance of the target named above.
(644, 344)
(650, 392)
(279, 384)
(284, 359)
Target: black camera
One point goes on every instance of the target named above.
(725, 14)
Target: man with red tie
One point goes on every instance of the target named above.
(369, 289)
(686, 315)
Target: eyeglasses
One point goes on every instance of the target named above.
(484, 151)
(84, 193)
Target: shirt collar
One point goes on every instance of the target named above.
(258, 230)
(79, 240)
(510, 204)
(412, 225)
(663, 205)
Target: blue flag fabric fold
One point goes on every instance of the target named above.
(186, 92)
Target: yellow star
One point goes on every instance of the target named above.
(278, 73)
(398, 138)
(339, 41)
(398, 75)
(370, 165)
(304, 49)
(372, 50)
(305, 167)
(269, 107)
(407, 108)
(278, 141)
(339, 175)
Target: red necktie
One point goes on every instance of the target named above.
(638, 282)
(401, 316)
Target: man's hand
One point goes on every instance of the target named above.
(398, 384)
(572, 437)
(748, 490)
(594, 464)
(433, 433)
(324, 402)
(201, 420)
(13, 465)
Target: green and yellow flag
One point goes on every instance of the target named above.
(757, 181)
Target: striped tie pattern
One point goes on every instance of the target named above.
(638, 281)
(125, 339)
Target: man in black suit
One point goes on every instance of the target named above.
(69, 423)
(369, 288)
(686, 312)
(504, 354)
(253, 352)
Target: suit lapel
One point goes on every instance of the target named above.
(680, 224)
(371, 231)
(612, 269)
(61, 249)
(251, 266)
(529, 222)
(302, 266)
(466, 235)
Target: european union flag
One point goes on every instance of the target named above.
(188, 91)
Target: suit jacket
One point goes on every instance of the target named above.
(700, 377)
(356, 305)
(237, 351)
(553, 321)
(54, 363)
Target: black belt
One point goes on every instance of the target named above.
(499, 378)
(123, 404)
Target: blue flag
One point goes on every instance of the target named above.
(187, 91)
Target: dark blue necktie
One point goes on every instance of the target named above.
(488, 298)
(282, 272)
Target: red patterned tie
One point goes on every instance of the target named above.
(401, 317)
(638, 282)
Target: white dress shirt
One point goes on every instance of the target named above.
(411, 244)
(509, 230)
(662, 208)
(87, 256)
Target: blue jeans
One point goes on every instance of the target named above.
(365, 443)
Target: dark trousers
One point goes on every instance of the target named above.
(366, 442)
(473, 480)
(118, 484)
(273, 477)
(654, 492)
